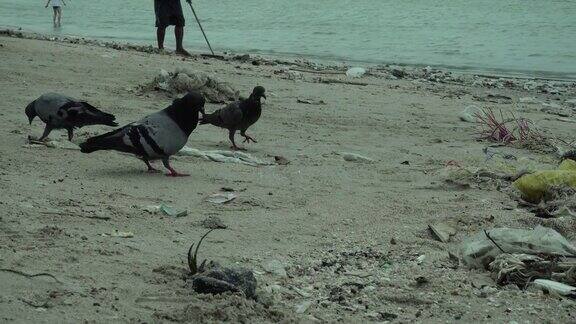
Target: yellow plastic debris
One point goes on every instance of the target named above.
(535, 186)
(568, 165)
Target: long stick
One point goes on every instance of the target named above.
(202, 29)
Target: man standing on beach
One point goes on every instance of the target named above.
(168, 13)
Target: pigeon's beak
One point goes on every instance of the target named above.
(264, 96)
(30, 120)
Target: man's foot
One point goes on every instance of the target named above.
(183, 52)
(236, 148)
(176, 174)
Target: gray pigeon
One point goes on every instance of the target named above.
(238, 115)
(156, 136)
(62, 112)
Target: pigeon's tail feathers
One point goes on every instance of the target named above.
(31, 111)
(108, 119)
(109, 141)
(213, 119)
(86, 114)
(102, 117)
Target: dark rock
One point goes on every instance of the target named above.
(213, 222)
(243, 58)
(570, 155)
(280, 160)
(400, 74)
(388, 316)
(212, 278)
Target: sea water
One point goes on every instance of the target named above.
(534, 37)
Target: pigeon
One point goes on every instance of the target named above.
(62, 112)
(238, 115)
(156, 136)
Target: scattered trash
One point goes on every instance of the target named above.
(213, 222)
(302, 307)
(571, 102)
(212, 278)
(166, 210)
(117, 233)
(63, 144)
(534, 187)
(183, 80)
(353, 157)
(170, 211)
(558, 201)
(221, 197)
(442, 231)
(466, 177)
(469, 114)
(420, 259)
(495, 98)
(555, 287)
(311, 101)
(280, 160)
(355, 72)
(480, 281)
(224, 156)
(520, 269)
(554, 109)
(552, 105)
(529, 100)
(483, 248)
(274, 267)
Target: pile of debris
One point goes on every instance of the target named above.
(182, 81)
(540, 257)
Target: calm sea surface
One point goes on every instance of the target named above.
(536, 37)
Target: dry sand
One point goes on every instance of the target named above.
(353, 236)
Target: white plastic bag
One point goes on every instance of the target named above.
(479, 251)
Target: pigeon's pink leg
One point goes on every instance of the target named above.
(247, 138)
(151, 169)
(47, 131)
(173, 173)
(234, 147)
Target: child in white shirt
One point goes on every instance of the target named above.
(57, 8)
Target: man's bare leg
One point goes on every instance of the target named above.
(179, 33)
(160, 33)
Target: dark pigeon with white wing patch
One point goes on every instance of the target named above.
(63, 112)
(238, 116)
(156, 136)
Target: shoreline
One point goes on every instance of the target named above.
(303, 60)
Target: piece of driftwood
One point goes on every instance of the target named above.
(336, 81)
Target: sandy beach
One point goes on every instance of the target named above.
(353, 237)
